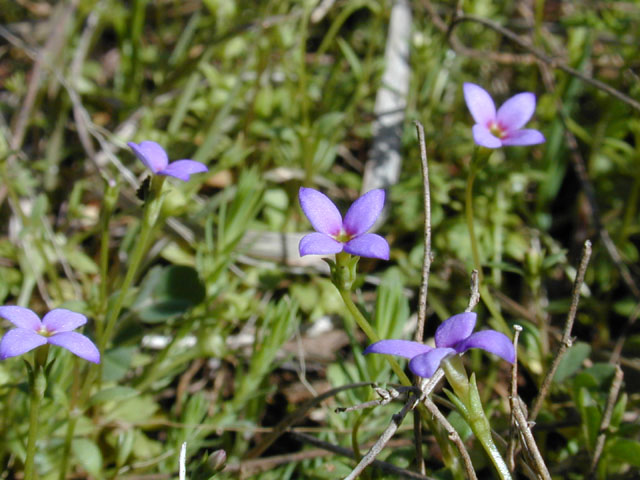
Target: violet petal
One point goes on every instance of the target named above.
(400, 348)
(321, 211)
(455, 329)
(425, 365)
(19, 341)
(182, 169)
(317, 243)
(77, 344)
(369, 245)
(63, 320)
(483, 137)
(490, 341)
(479, 103)
(21, 317)
(364, 212)
(517, 111)
(151, 154)
(524, 137)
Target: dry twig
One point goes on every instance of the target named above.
(606, 419)
(396, 421)
(566, 341)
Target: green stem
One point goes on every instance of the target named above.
(500, 323)
(37, 387)
(74, 414)
(71, 428)
(469, 214)
(151, 213)
(108, 205)
(366, 327)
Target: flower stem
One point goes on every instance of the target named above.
(38, 386)
(499, 322)
(151, 213)
(343, 276)
(469, 214)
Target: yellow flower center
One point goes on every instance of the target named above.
(342, 237)
(44, 332)
(497, 130)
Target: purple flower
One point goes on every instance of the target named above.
(493, 130)
(333, 235)
(453, 336)
(155, 158)
(55, 328)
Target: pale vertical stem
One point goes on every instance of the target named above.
(424, 285)
(566, 341)
(513, 397)
(469, 216)
(606, 419)
(426, 262)
(183, 458)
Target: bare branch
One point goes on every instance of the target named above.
(532, 447)
(396, 421)
(511, 447)
(426, 262)
(606, 419)
(474, 296)
(453, 436)
(566, 341)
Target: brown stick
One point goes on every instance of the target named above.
(511, 447)
(453, 436)
(426, 262)
(566, 336)
(606, 419)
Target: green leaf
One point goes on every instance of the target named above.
(624, 450)
(572, 361)
(167, 292)
(460, 424)
(134, 410)
(595, 377)
(116, 362)
(88, 455)
(112, 394)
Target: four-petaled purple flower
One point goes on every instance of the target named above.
(452, 337)
(156, 159)
(333, 235)
(55, 328)
(493, 130)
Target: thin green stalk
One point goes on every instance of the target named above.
(66, 453)
(74, 414)
(469, 215)
(500, 323)
(109, 203)
(366, 327)
(38, 386)
(151, 213)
